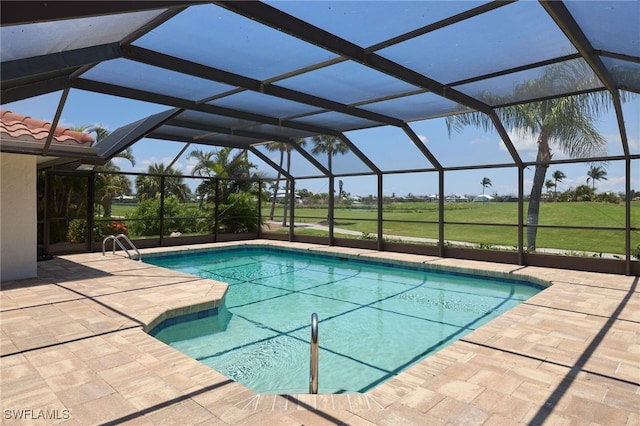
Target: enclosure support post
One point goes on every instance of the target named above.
(162, 190)
(216, 222)
(292, 199)
(46, 232)
(90, 210)
(380, 214)
(260, 208)
(520, 215)
(627, 214)
(331, 210)
(441, 252)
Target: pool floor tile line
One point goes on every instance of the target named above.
(579, 338)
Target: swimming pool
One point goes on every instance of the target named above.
(375, 318)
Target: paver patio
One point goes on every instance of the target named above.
(74, 351)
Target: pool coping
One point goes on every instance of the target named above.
(419, 394)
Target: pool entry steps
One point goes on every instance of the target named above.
(116, 240)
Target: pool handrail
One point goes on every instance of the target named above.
(313, 370)
(116, 240)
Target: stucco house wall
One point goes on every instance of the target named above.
(18, 217)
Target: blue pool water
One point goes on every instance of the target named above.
(375, 320)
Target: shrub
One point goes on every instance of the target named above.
(77, 231)
(608, 197)
(580, 193)
(102, 227)
(145, 219)
(239, 214)
(635, 251)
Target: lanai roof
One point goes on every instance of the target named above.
(242, 74)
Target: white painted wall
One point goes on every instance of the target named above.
(18, 217)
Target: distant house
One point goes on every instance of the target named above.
(282, 195)
(483, 198)
(453, 198)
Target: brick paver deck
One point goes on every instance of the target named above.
(74, 351)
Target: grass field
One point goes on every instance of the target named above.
(404, 219)
(552, 214)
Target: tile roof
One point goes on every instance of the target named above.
(22, 128)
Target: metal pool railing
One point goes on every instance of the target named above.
(313, 370)
(116, 240)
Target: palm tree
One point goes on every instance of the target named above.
(549, 184)
(565, 123)
(283, 148)
(205, 164)
(100, 134)
(148, 186)
(204, 167)
(596, 173)
(108, 185)
(329, 145)
(276, 146)
(332, 146)
(557, 176)
(486, 183)
(232, 171)
(97, 129)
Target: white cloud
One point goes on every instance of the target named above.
(525, 143)
(66, 124)
(122, 163)
(143, 165)
(612, 184)
(187, 168)
(423, 139)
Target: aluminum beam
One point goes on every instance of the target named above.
(192, 68)
(14, 72)
(563, 18)
(17, 13)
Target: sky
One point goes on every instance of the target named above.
(388, 147)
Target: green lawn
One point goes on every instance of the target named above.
(121, 210)
(403, 219)
(555, 214)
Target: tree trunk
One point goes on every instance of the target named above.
(544, 154)
(275, 191)
(106, 204)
